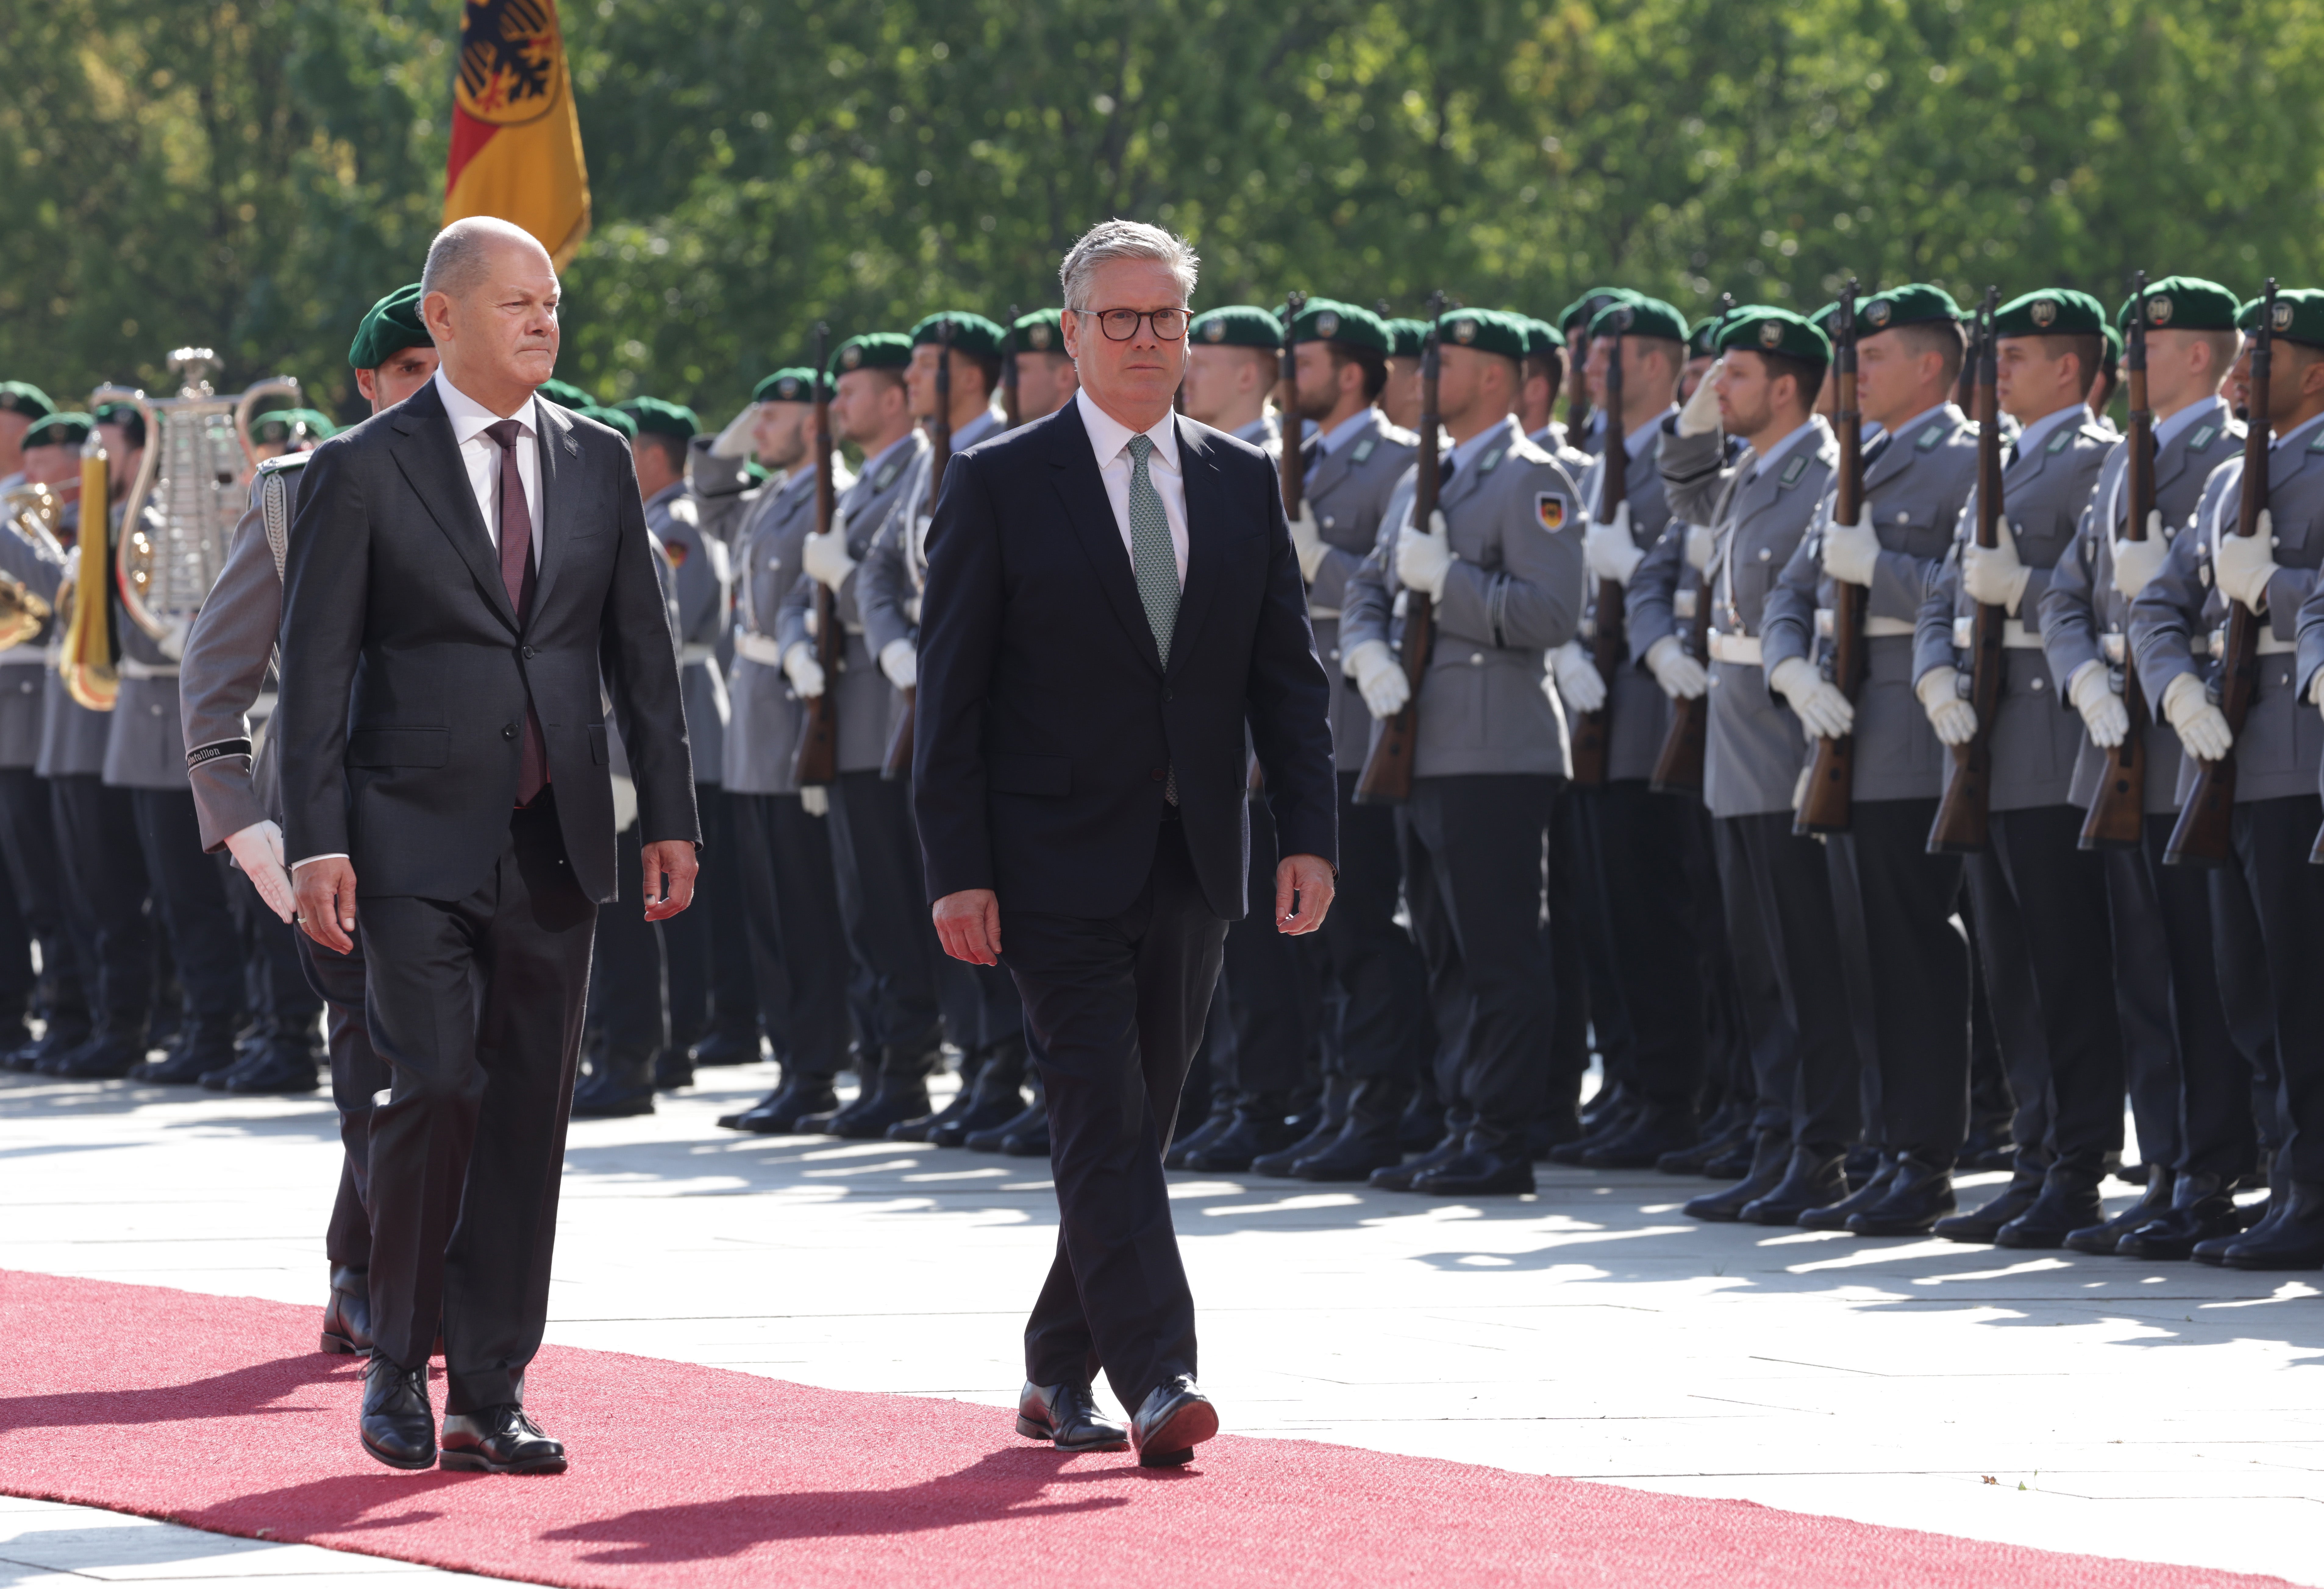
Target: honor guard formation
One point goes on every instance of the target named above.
(1880, 762)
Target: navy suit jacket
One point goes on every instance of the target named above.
(1047, 722)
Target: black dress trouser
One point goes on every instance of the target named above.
(1819, 1092)
(2273, 839)
(798, 942)
(36, 876)
(106, 893)
(1385, 1027)
(2247, 993)
(189, 898)
(628, 1000)
(1113, 1009)
(358, 1076)
(1771, 1041)
(1643, 847)
(1274, 993)
(708, 946)
(876, 849)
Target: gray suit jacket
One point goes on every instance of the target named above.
(701, 582)
(763, 730)
(1913, 488)
(1348, 492)
(1641, 711)
(1513, 592)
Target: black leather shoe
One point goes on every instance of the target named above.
(1278, 1163)
(672, 1070)
(396, 1423)
(984, 1111)
(1771, 1155)
(1500, 1172)
(2202, 1206)
(1561, 1126)
(1359, 1148)
(2294, 1239)
(57, 1041)
(1607, 1125)
(499, 1440)
(2272, 1208)
(1398, 1178)
(2100, 1240)
(1919, 1194)
(1982, 1223)
(203, 1048)
(1988, 1147)
(923, 1128)
(1215, 1124)
(1068, 1415)
(1258, 1127)
(777, 1113)
(618, 1086)
(1420, 1124)
(1175, 1419)
(1731, 1163)
(889, 1103)
(1033, 1117)
(1834, 1216)
(1862, 1162)
(346, 1317)
(1720, 1139)
(1030, 1141)
(1812, 1178)
(106, 1056)
(1653, 1133)
(2069, 1202)
(726, 1047)
(284, 1067)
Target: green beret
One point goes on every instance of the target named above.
(1587, 308)
(284, 426)
(1636, 315)
(656, 417)
(1915, 303)
(59, 429)
(2299, 316)
(612, 418)
(21, 397)
(1327, 319)
(874, 350)
(389, 326)
(117, 412)
(2053, 312)
(1488, 330)
(1541, 337)
(1702, 342)
(971, 334)
(2113, 347)
(1405, 336)
(1756, 328)
(1042, 331)
(795, 383)
(564, 394)
(2185, 303)
(1827, 318)
(1238, 325)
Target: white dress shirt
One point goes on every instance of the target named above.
(481, 455)
(1110, 439)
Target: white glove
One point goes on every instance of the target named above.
(804, 672)
(173, 643)
(825, 557)
(1953, 718)
(1308, 541)
(1379, 676)
(626, 802)
(2103, 713)
(1823, 707)
(1576, 677)
(2316, 690)
(1700, 417)
(734, 441)
(1421, 560)
(258, 851)
(1608, 549)
(900, 663)
(1701, 546)
(1994, 578)
(2202, 727)
(2137, 562)
(815, 800)
(1680, 675)
(2244, 564)
(1851, 552)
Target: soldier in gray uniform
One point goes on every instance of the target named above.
(1231, 369)
(1502, 563)
(2189, 1088)
(1777, 889)
(799, 941)
(2278, 752)
(873, 841)
(2069, 1085)
(1399, 400)
(1910, 986)
(1573, 324)
(23, 405)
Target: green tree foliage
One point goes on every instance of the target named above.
(251, 174)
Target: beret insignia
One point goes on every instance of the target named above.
(1877, 311)
(1771, 334)
(2281, 318)
(2045, 311)
(1327, 324)
(1216, 331)
(1038, 335)
(2158, 311)
(1465, 331)
(851, 358)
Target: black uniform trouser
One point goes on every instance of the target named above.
(1114, 1007)
(475, 1005)
(19, 982)
(106, 890)
(189, 896)
(279, 988)
(1386, 1030)
(1913, 978)
(1790, 888)
(877, 851)
(2002, 984)
(358, 1076)
(2248, 995)
(1644, 844)
(796, 935)
(36, 876)
(2145, 1001)
(2273, 838)
(1589, 1002)
(627, 1002)
(710, 979)
(1755, 939)
(1474, 884)
(1274, 983)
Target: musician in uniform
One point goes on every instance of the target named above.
(23, 405)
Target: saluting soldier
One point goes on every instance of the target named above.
(1231, 355)
(1501, 561)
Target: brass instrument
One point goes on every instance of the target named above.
(33, 513)
(90, 662)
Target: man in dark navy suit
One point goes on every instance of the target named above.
(1113, 596)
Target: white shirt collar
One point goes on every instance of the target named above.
(1944, 411)
(2034, 434)
(2167, 430)
(1814, 427)
(469, 417)
(1347, 431)
(1109, 435)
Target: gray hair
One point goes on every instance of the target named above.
(456, 258)
(1121, 239)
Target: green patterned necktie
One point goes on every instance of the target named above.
(1151, 551)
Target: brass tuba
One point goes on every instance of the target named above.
(32, 512)
(89, 663)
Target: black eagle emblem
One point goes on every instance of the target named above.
(508, 50)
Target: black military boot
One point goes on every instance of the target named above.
(1834, 1216)
(777, 1113)
(1652, 1134)
(1984, 1222)
(995, 1098)
(1560, 1125)
(901, 1094)
(109, 1054)
(288, 1064)
(1259, 1126)
(1726, 1133)
(2103, 1239)
(672, 1070)
(204, 1046)
(994, 1139)
(1812, 1178)
(1600, 1126)
(1366, 1142)
(61, 1037)
(1771, 1154)
(2202, 1206)
(2069, 1202)
(2214, 1249)
(1398, 1178)
(620, 1083)
(1503, 1170)
(346, 1317)
(1222, 1118)
(2294, 1239)
(1028, 1142)
(733, 1046)
(1920, 1193)
(1422, 1124)
(1321, 1126)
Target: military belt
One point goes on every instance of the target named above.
(2015, 635)
(1738, 650)
(1875, 628)
(131, 668)
(761, 649)
(24, 656)
(693, 654)
(2269, 645)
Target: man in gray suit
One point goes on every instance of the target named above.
(1502, 563)
(2190, 1091)
(2049, 344)
(1912, 980)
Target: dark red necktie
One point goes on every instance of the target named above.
(516, 573)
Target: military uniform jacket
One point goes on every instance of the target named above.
(717, 487)
(72, 737)
(1641, 711)
(1914, 486)
(1513, 592)
(861, 694)
(888, 585)
(2084, 619)
(2282, 744)
(1348, 492)
(701, 582)
(763, 732)
(1754, 746)
(23, 694)
(2035, 733)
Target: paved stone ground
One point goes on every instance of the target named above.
(2148, 1410)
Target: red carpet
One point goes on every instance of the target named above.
(219, 1413)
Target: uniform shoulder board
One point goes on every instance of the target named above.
(1399, 435)
(1550, 509)
(2205, 434)
(2316, 442)
(1526, 450)
(683, 509)
(1793, 471)
(284, 464)
(1930, 438)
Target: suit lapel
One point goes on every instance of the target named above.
(560, 458)
(1091, 514)
(1205, 515)
(430, 461)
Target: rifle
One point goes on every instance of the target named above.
(1678, 766)
(898, 763)
(1387, 777)
(1009, 410)
(1963, 815)
(1593, 732)
(1827, 806)
(2117, 816)
(1292, 467)
(2203, 836)
(815, 760)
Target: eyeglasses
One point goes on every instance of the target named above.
(1119, 325)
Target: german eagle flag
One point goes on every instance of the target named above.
(516, 139)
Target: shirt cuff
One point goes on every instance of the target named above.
(310, 860)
